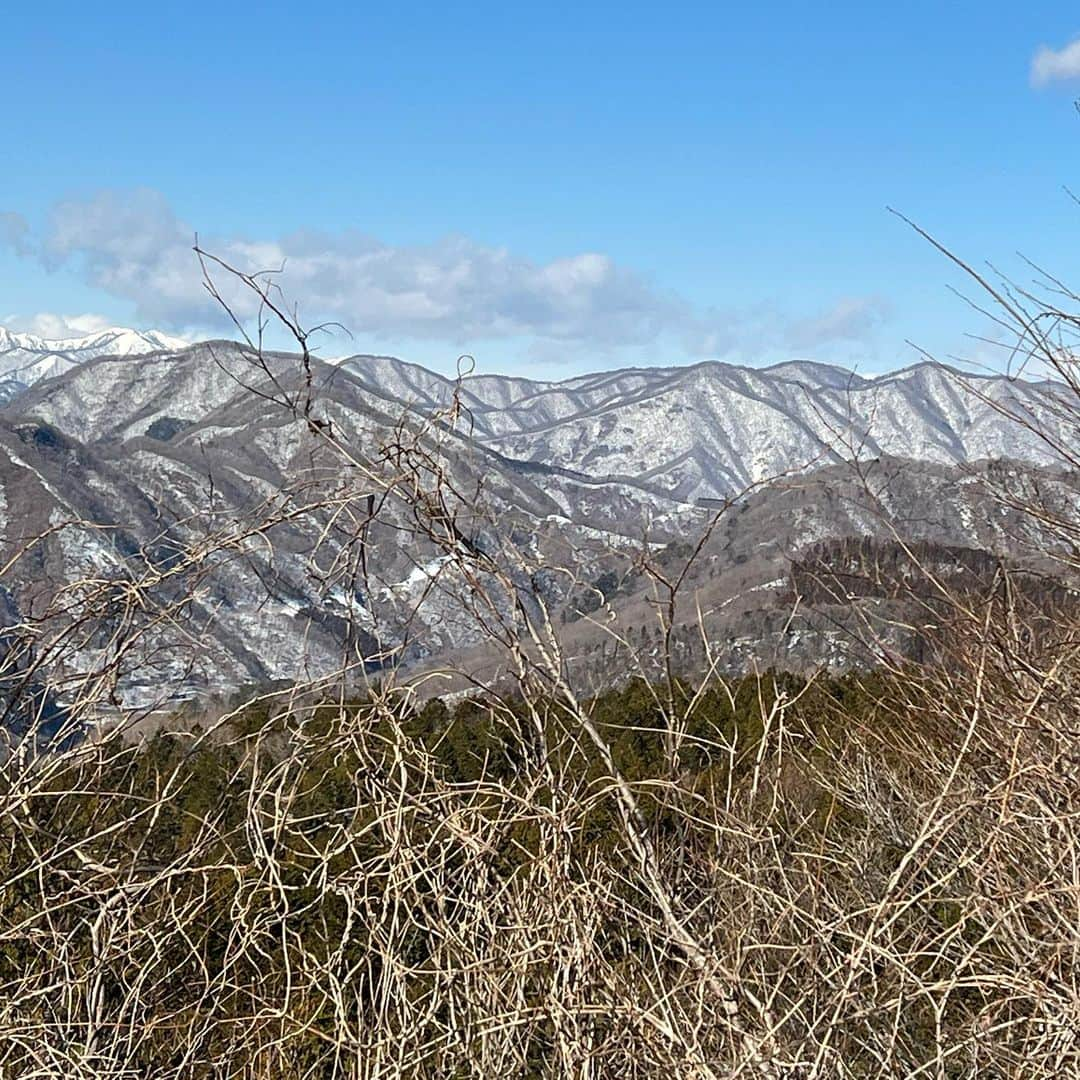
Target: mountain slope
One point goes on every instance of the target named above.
(186, 458)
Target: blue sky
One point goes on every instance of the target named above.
(552, 188)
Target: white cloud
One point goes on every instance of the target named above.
(852, 318)
(132, 246)
(14, 229)
(55, 327)
(1056, 65)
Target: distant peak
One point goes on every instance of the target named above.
(115, 340)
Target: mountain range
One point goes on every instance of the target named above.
(712, 429)
(125, 455)
(703, 431)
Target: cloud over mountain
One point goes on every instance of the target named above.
(851, 318)
(133, 246)
(53, 326)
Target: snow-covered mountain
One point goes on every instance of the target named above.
(121, 463)
(703, 431)
(713, 429)
(26, 359)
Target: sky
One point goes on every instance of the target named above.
(550, 188)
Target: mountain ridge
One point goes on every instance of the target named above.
(701, 431)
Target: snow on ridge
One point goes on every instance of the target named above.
(116, 340)
(26, 359)
(704, 430)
